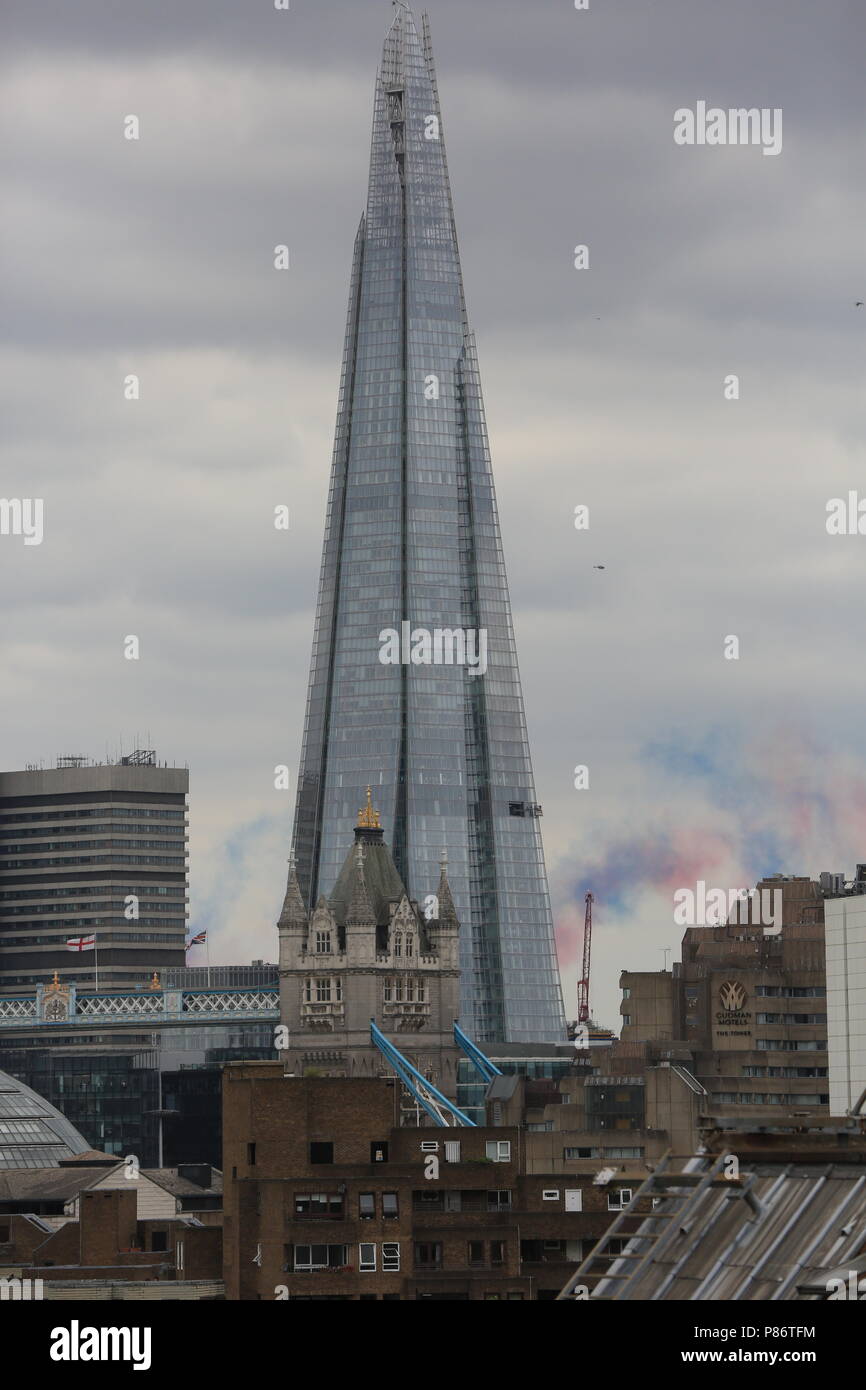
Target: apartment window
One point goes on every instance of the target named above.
(367, 1258)
(308, 1257)
(499, 1150)
(499, 1201)
(452, 1150)
(251, 1155)
(390, 1209)
(379, 1151)
(428, 1201)
(577, 1153)
(390, 1258)
(497, 1252)
(428, 1254)
(366, 1206)
(626, 1019)
(159, 1240)
(321, 1152)
(323, 943)
(476, 1252)
(618, 1199)
(319, 1204)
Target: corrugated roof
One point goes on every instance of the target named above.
(811, 1222)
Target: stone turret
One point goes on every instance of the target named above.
(292, 924)
(443, 927)
(367, 952)
(360, 924)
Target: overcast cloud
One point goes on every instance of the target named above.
(603, 387)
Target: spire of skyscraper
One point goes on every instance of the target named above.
(414, 686)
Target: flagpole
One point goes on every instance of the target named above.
(96, 953)
(207, 947)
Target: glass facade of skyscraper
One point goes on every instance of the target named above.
(412, 546)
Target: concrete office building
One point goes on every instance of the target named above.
(845, 928)
(92, 851)
(746, 1012)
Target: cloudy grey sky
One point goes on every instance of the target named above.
(603, 387)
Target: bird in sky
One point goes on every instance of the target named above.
(859, 304)
(598, 567)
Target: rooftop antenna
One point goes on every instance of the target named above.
(665, 950)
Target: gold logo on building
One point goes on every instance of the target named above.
(732, 996)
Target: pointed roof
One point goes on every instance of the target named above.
(360, 912)
(447, 910)
(372, 888)
(293, 912)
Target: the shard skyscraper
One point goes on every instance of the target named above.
(412, 545)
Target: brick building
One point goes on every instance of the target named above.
(328, 1197)
(107, 1243)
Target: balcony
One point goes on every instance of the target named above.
(324, 1015)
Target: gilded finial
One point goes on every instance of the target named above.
(367, 816)
(154, 982)
(55, 984)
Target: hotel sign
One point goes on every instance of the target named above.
(732, 1018)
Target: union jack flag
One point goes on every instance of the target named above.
(198, 940)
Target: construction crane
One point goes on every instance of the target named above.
(583, 984)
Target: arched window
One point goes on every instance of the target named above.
(410, 944)
(323, 943)
(398, 943)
